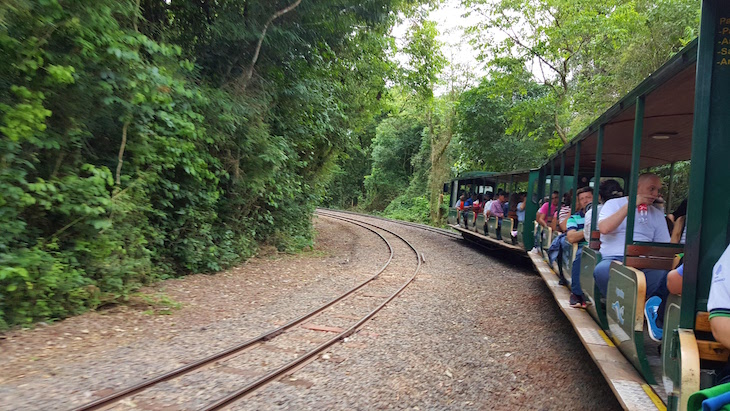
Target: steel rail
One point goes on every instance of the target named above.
(425, 227)
(294, 364)
(127, 392)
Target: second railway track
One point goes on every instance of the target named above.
(281, 351)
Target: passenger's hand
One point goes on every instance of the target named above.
(644, 199)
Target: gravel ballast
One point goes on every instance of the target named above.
(472, 332)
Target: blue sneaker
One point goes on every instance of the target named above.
(651, 309)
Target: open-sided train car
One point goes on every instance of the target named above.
(681, 112)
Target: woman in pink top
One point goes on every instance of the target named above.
(549, 211)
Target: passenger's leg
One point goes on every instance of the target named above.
(575, 275)
(601, 275)
(656, 285)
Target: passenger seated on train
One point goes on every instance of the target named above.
(514, 201)
(478, 206)
(498, 211)
(460, 202)
(718, 303)
(649, 226)
(468, 205)
(607, 190)
(564, 213)
(574, 235)
(679, 217)
(521, 204)
(674, 280)
(548, 211)
(487, 210)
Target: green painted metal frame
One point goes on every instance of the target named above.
(670, 190)
(576, 171)
(588, 261)
(597, 175)
(633, 179)
(622, 318)
(562, 177)
(528, 233)
(709, 205)
(671, 365)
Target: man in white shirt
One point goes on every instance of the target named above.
(649, 226)
(718, 303)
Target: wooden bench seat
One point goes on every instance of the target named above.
(710, 350)
(652, 257)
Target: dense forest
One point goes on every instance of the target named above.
(146, 139)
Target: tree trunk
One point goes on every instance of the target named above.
(249, 71)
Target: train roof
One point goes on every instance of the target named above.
(516, 176)
(667, 126)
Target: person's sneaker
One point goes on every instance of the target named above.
(577, 301)
(651, 308)
(562, 281)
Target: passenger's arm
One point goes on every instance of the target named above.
(677, 231)
(541, 219)
(574, 236)
(564, 225)
(721, 330)
(521, 206)
(611, 223)
(674, 282)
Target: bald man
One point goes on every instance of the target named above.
(649, 226)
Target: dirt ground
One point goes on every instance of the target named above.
(69, 363)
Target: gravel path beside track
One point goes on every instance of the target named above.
(472, 332)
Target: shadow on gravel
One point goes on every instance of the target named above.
(519, 261)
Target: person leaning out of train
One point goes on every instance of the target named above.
(649, 226)
(718, 303)
(548, 211)
(607, 190)
(574, 235)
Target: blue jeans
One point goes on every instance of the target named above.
(656, 280)
(575, 273)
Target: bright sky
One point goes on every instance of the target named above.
(451, 27)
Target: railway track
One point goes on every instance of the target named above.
(440, 231)
(357, 302)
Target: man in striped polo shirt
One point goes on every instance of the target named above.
(574, 234)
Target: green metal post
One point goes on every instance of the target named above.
(528, 234)
(635, 163)
(576, 171)
(550, 193)
(708, 208)
(562, 174)
(597, 176)
(668, 201)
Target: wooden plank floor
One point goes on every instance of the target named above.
(630, 388)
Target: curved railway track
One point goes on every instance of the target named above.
(301, 360)
(440, 231)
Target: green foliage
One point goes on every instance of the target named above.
(135, 146)
(588, 52)
(504, 125)
(409, 208)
